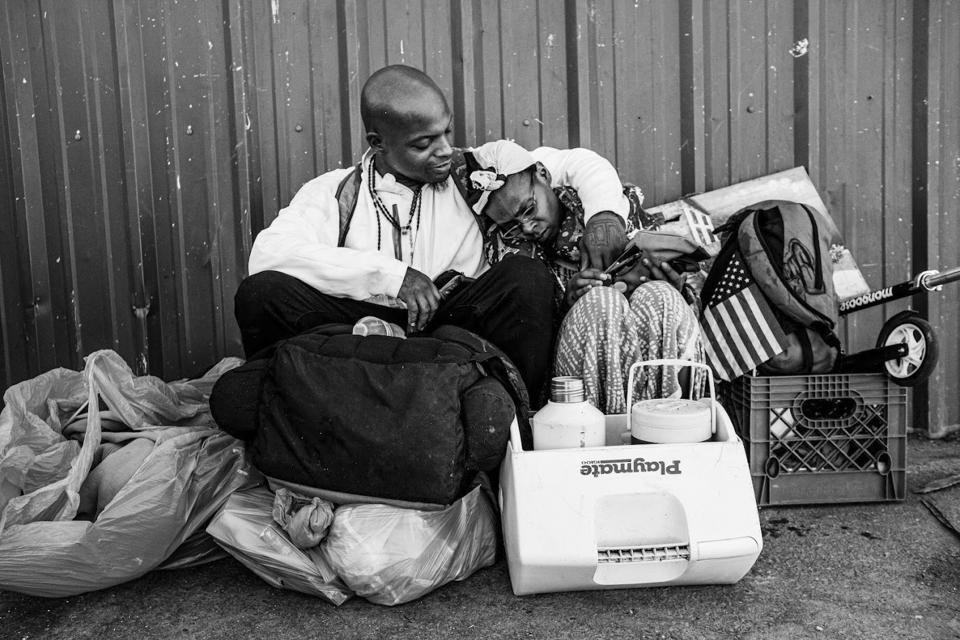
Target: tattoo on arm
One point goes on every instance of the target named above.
(601, 234)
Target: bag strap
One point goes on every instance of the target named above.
(458, 160)
(348, 191)
(461, 162)
(807, 350)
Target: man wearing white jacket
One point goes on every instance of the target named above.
(407, 224)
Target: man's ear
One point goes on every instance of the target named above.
(375, 140)
(543, 172)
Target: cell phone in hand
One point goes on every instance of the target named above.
(451, 283)
(450, 286)
(624, 261)
(633, 254)
(683, 264)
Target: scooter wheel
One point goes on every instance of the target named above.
(909, 328)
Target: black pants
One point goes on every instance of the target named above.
(511, 305)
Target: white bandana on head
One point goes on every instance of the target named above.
(501, 159)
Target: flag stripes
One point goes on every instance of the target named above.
(740, 330)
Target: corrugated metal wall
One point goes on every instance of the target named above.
(148, 140)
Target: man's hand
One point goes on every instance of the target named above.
(660, 247)
(582, 282)
(645, 271)
(603, 240)
(421, 297)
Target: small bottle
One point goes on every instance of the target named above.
(374, 326)
(568, 421)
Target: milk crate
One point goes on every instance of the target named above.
(821, 439)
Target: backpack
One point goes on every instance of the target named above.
(784, 248)
(410, 420)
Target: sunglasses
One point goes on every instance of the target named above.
(513, 229)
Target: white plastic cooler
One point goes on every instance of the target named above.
(629, 515)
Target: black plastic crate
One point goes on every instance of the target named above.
(821, 439)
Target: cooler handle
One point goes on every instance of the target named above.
(515, 435)
(670, 362)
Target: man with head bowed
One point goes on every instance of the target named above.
(409, 223)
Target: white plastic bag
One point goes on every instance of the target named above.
(306, 520)
(189, 473)
(246, 529)
(390, 555)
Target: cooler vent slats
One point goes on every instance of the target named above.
(652, 553)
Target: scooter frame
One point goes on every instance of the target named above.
(907, 346)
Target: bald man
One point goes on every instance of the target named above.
(410, 224)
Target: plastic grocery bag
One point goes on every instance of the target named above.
(391, 555)
(306, 520)
(190, 470)
(246, 529)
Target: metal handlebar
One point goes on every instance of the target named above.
(931, 280)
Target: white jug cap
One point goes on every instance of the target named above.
(670, 420)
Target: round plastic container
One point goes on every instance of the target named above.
(374, 326)
(568, 421)
(670, 421)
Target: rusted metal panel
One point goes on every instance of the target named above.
(17, 361)
(246, 148)
(853, 45)
(128, 237)
(941, 199)
(198, 225)
(553, 120)
(148, 142)
(33, 321)
(95, 246)
(293, 98)
(139, 185)
(489, 66)
(648, 138)
(519, 51)
(716, 105)
(596, 80)
(326, 64)
(741, 50)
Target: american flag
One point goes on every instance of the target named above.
(740, 330)
(700, 224)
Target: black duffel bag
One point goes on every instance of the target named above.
(375, 416)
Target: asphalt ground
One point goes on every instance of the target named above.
(872, 570)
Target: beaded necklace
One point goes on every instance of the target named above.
(394, 218)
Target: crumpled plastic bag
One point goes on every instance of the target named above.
(188, 474)
(306, 520)
(391, 555)
(245, 528)
(385, 553)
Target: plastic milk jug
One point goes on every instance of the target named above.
(568, 421)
